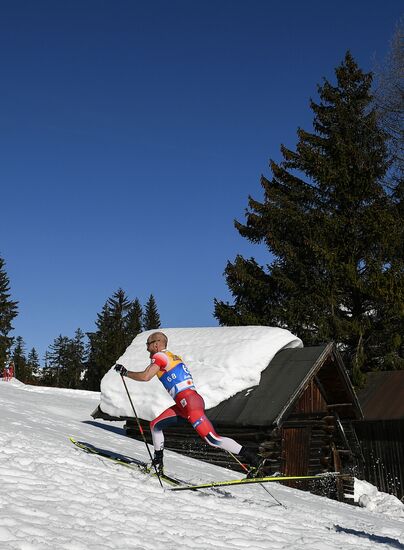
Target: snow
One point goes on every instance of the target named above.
(367, 496)
(53, 496)
(222, 360)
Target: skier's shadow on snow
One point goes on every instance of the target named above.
(394, 543)
(107, 427)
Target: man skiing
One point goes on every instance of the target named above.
(189, 405)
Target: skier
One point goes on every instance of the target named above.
(189, 405)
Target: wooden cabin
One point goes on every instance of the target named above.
(299, 417)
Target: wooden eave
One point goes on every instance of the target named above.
(344, 402)
(303, 385)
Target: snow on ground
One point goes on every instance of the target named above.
(53, 496)
(222, 360)
(367, 496)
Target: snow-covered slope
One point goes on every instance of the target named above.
(222, 360)
(53, 496)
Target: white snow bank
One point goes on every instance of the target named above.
(13, 382)
(223, 361)
(48, 389)
(368, 496)
(55, 497)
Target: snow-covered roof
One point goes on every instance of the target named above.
(283, 382)
(223, 361)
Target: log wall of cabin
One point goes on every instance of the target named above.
(307, 435)
(311, 401)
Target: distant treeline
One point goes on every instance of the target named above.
(80, 362)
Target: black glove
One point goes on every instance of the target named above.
(121, 369)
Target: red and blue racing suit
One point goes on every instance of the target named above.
(189, 405)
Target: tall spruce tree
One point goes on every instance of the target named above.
(119, 306)
(34, 365)
(151, 319)
(133, 321)
(58, 362)
(22, 370)
(65, 361)
(97, 351)
(110, 340)
(8, 310)
(76, 360)
(46, 372)
(335, 234)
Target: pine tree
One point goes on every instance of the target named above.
(133, 321)
(22, 370)
(8, 310)
(151, 319)
(110, 340)
(58, 362)
(119, 305)
(34, 365)
(76, 355)
(335, 233)
(46, 372)
(65, 361)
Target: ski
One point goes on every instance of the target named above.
(180, 485)
(247, 481)
(123, 460)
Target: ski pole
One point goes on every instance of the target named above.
(262, 485)
(141, 431)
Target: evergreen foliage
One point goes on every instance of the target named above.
(151, 320)
(34, 365)
(46, 373)
(80, 361)
(133, 321)
(8, 310)
(75, 360)
(118, 323)
(335, 233)
(65, 362)
(22, 370)
(57, 363)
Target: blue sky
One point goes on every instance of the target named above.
(133, 132)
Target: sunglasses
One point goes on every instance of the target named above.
(152, 342)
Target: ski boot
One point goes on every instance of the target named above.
(157, 462)
(254, 461)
